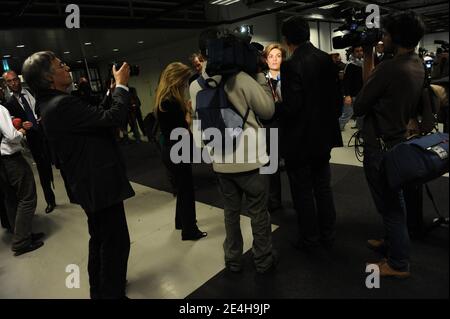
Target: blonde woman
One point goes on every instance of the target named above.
(274, 54)
(173, 111)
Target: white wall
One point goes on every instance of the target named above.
(151, 63)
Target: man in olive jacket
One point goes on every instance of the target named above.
(81, 138)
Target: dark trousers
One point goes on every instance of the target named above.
(20, 197)
(109, 247)
(3, 215)
(43, 164)
(313, 201)
(275, 179)
(391, 205)
(185, 216)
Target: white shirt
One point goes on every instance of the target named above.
(30, 99)
(11, 138)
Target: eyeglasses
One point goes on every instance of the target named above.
(13, 80)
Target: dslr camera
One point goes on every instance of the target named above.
(134, 69)
(356, 33)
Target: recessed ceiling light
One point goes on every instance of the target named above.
(79, 61)
(223, 2)
(66, 52)
(141, 42)
(116, 50)
(95, 56)
(20, 46)
(87, 43)
(7, 56)
(329, 6)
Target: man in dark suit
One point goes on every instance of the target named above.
(21, 104)
(312, 104)
(81, 137)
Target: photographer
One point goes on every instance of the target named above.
(388, 101)
(90, 159)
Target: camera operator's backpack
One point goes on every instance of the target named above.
(229, 55)
(214, 110)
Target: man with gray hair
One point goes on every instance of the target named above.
(81, 137)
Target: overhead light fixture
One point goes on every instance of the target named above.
(330, 6)
(116, 50)
(20, 46)
(223, 2)
(316, 16)
(95, 56)
(281, 1)
(66, 52)
(79, 61)
(87, 43)
(141, 42)
(7, 56)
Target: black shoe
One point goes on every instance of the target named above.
(50, 207)
(37, 236)
(32, 246)
(195, 236)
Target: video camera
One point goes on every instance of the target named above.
(134, 69)
(356, 33)
(443, 45)
(232, 52)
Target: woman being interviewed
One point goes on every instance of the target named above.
(274, 54)
(173, 111)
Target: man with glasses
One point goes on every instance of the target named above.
(21, 104)
(81, 136)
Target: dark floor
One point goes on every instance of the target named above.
(339, 273)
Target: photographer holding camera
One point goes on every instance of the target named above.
(81, 138)
(388, 101)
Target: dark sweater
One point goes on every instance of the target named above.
(172, 117)
(353, 80)
(390, 96)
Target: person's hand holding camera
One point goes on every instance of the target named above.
(122, 75)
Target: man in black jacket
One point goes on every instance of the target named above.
(21, 104)
(311, 109)
(388, 100)
(89, 157)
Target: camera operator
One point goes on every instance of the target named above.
(388, 100)
(91, 161)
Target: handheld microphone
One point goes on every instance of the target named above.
(17, 123)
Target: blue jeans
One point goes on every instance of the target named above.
(391, 205)
(347, 113)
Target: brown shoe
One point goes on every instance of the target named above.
(388, 271)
